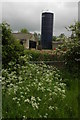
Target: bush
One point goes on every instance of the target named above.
(11, 48)
(42, 56)
(72, 59)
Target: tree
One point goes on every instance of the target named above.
(35, 35)
(54, 38)
(24, 30)
(75, 29)
(72, 56)
(11, 48)
(62, 35)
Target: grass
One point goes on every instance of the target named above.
(34, 92)
(39, 91)
(72, 93)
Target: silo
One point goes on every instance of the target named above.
(47, 30)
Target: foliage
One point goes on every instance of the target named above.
(35, 34)
(54, 38)
(61, 37)
(72, 55)
(24, 30)
(11, 48)
(38, 90)
(42, 55)
(75, 29)
(72, 59)
(70, 49)
(72, 95)
(34, 91)
(73, 40)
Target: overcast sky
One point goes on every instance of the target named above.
(28, 15)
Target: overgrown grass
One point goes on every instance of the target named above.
(38, 91)
(34, 92)
(72, 93)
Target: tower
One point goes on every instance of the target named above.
(47, 30)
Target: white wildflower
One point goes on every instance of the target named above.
(14, 98)
(38, 99)
(33, 98)
(27, 100)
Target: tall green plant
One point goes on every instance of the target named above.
(75, 29)
(11, 48)
(72, 56)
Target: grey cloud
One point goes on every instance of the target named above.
(28, 15)
(0, 12)
(79, 11)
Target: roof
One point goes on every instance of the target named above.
(47, 11)
(29, 36)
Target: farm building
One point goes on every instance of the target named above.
(27, 39)
(31, 42)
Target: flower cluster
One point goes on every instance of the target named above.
(33, 88)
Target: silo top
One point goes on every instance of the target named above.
(47, 11)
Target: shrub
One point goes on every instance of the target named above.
(42, 56)
(72, 58)
(11, 48)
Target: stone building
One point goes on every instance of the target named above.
(29, 40)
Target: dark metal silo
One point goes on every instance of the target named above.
(47, 30)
